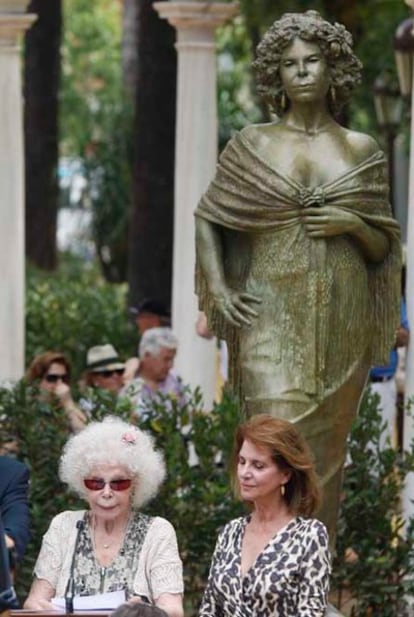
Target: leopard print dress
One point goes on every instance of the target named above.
(290, 577)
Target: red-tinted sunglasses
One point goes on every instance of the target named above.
(97, 484)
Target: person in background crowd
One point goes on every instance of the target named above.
(202, 330)
(382, 382)
(150, 313)
(111, 546)
(51, 371)
(104, 369)
(14, 506)
(157, 350)
(275, 561)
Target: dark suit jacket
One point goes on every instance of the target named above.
(14, 506)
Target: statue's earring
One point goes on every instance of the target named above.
(283, 102)
(332, 92)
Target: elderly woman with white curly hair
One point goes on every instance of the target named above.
(110, 546)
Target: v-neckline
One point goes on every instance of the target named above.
(245, 521)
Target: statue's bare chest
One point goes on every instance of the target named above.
(310, 161)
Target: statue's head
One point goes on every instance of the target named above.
(335, 43)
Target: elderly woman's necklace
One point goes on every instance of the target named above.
(107, 545)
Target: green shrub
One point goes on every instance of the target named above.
(41, 431)
(74, 309)
(196, 498)
(371, 522)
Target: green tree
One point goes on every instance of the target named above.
(97, 122)
(91, 77)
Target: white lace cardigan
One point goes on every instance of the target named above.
(159, 566)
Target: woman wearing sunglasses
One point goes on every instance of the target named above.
(51, 372)
(110, 546)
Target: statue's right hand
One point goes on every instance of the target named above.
(235, 306)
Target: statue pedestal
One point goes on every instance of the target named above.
(195, 161)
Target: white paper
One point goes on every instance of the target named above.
(98, 602)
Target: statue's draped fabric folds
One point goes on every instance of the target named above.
(326, 314)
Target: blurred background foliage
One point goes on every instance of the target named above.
(74, 309)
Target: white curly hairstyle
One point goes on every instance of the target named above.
(155, 339)
(114, 442)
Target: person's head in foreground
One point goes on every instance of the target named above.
(114, 467)
(338, 71)
(104, 368)
(157, 350)
(138, 610)
(272, 462)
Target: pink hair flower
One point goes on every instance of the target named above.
(130, 438)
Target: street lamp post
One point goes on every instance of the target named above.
(388, 109)
(404, 52)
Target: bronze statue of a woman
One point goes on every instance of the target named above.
(298, 254)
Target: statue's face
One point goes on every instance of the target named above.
(304, 72)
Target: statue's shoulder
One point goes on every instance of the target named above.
(361, 145)
(257, 134)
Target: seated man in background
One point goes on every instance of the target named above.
(157, 351)
(14, 507)
(104, 368)
(150, 313)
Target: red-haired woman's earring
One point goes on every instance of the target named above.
(282, 490)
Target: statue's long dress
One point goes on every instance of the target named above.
(326, 314)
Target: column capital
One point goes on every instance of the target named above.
(14, 21)
(185, 14)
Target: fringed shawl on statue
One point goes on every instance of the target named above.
(249, 195)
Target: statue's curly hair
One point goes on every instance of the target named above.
(335, 42)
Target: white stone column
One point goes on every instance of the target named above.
(13, 23)
(195, 161)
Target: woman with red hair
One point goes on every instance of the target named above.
(275, 561)
(51, 372)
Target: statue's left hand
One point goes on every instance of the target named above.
(330, 221)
